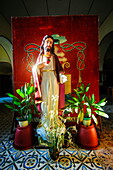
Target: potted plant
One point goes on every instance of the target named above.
(55, 136)
(24, 104)
(54, 130)
(86, 106)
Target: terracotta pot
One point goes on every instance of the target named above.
(23, 137)
(87, 137)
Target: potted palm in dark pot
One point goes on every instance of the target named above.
(86, 107)
(25, 107)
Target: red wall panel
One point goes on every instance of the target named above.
(80, 49)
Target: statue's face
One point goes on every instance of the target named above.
(48, 44)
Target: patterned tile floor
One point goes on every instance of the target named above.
(72, 158)
(37, 159)
(6, 118)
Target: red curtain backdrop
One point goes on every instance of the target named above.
(77, 48)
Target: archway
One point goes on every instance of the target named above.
(103, 46)
(107, 87)
(105, 51)
(108, 67)
(6, 67)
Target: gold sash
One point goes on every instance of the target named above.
(46, 70)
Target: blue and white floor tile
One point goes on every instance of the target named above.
(37, 159)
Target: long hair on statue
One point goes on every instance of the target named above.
(42, 44)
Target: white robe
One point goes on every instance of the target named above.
(49, 88)
(49, 93)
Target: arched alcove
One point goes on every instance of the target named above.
(105, 52)
(108, 67)
(6, 67)
(107, 86)
(103, 47)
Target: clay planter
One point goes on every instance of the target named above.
(23, 137)
(87, 137)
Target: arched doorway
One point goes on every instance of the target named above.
(106, 63)
(108, 68)
(6, 67)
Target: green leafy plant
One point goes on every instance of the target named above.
(24, 105)
(84, 104)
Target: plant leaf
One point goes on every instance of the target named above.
(102, 102)
(20, 93)
(16, 102)
(76, 109)
(87, 87)
(30, 90)
(89, 112)
(13, 97)
(70, 101)
(83, 97)
(92, 98)
(74, 98)
(95, 119)
(102, 113)
(9, 106)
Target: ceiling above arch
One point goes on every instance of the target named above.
(21, 8)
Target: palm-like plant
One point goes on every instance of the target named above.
(24, 105)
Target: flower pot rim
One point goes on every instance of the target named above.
(23, 127)
(87, 118)
(88, 127)
(21, 119)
